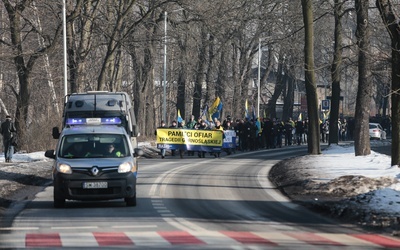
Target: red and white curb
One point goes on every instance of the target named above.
(174, 238)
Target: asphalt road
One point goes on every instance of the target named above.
(386, 149)
(225, 203)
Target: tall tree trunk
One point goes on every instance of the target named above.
(199, 77)
(114, 40)
(209, 71)
(222, 78)
(79, 41)
(289, 97)
(73, 62)
(50, 81)
(279, 86)
(311, 86)
(182, 76)
(391, 20)
(143, 89)
(336, 73)
(361, 132)
(264, 111)
(236, 102)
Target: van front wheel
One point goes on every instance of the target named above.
(131, 201)
(59, 200)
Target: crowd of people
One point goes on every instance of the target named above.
(251, 134)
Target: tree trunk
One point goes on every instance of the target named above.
(114, 40)
(73, 62)
(222, 79)
(47, 65)
(79, 42)
(237, 100)
(182, 76)
(199, 77)
(336, 73)
(289, 97)
(279, 86)
(392, 25)
(361, 132)
(311, 87)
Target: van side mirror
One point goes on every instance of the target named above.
(50, 154)
(56, 133)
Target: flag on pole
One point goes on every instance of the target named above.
(216, 114)
(246, 110)
(179, 119)
(214, 106)
(204, 113)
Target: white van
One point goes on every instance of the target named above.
(86, 169)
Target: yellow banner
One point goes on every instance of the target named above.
(190, 137)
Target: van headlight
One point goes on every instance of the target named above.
(125, 167)
(64, 168)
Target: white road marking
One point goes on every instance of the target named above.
(74, 228)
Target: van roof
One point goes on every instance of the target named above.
(98, 101)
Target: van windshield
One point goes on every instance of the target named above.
(93, 146)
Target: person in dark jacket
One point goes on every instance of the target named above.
(278, 130)
(162, 150)
(288, 132)
(240, 132)
(299, 131)
(203, 126)
(173, 125)
(268, 133)
(7, 130)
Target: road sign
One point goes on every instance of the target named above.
(325, 105)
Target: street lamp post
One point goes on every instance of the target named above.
(164, 115)
(65, 51)
(259, 78)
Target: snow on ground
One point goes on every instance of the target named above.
(335, 162)
(338, 166)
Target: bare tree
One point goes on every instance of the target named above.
(336, 73)
(24, 57)
(312, 99)
(280, 84)
(391, 21)
(361, 136)
(80, 36)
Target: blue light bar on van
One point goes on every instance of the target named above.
(111, 121)
(94, 121)
(76, 121)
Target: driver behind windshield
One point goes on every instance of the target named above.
(77, 151)
(112, 151)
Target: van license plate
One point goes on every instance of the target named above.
(89, 185)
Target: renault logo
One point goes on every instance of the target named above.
(95, 171)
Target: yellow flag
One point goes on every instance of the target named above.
(179, 119)
(214, 106)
